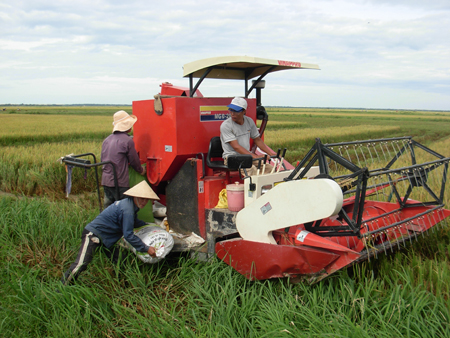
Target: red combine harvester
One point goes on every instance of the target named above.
(342, 204)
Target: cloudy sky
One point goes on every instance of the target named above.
(372, 53)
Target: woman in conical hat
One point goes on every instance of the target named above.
(141, 194)
(118, 220)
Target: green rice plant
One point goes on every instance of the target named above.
(108, 110)
(35, 229)
(30, 129)
(371, 113)
(401, 294)
(331, 134)
(35, 170)
(283, 131)
(181, 298)
(298, 141)
(423, 129)
(282, 125)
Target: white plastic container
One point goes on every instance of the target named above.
(235, 196)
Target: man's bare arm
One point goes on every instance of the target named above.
(241, 150)
(261, 145)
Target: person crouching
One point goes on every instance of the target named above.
(117, 220)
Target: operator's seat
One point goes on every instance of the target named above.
(214, 157)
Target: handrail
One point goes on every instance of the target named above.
(70, 159)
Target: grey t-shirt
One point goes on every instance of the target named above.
(230, 131)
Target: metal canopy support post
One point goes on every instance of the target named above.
(246, 87)
(248, 91)
(200, 80)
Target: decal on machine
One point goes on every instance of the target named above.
(201, 187)
(302, 235)
(213, 113)
(168, 149)
(266, 208)
(289, 63)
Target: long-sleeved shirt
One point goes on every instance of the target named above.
(119, 149)
(117, 220)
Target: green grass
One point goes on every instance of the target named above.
(405, 294)
(401, 294)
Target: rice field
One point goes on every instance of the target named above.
(38, 129)
(84, 110)
(32, 143)
(35, 170)
(402, 294)
(373, 113)
(298, 141)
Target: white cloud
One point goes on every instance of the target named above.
(104, 50)
(27, 45)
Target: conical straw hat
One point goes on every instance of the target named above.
(142, 190)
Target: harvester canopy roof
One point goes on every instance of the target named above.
(239, 67)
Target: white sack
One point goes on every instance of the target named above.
(159, 210)
(154, 236)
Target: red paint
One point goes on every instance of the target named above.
(302, 254)
(263, 261)
(166, 141)
(290, 63)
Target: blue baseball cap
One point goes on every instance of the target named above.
(238, 104)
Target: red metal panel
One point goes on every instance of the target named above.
(263, 261)
(213, 186)
(169, 89)
(183, 130)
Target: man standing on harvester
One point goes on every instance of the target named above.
(236, 131)
(118, 220)
(119, 149)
